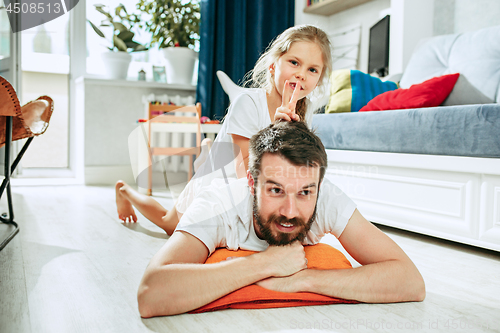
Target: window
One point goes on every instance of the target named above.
(4, 35)
(45, 71)
(97, 45)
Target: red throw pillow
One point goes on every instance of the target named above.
(429, 93)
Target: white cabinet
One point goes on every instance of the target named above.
(107, 112)
(455, 198)
(489, 220)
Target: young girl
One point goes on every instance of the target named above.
(294, 65)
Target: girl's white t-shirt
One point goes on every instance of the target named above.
(247, 115)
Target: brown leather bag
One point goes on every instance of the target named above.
(30, 120)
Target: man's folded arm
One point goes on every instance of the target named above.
(387, 274)
(176, 280)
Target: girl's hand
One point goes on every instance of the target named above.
(287, 109)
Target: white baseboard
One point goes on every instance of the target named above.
(110, 174)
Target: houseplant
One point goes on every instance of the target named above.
(118, 59)
(175, 26)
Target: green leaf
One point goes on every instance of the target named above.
(102, 11)
(126, 36)
(118, 10)
(172, 21)
(123, 7)
(120, 45)
(96, 29)
(131, 44)
(136, 46)
(119, 26)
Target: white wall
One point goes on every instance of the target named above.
(366, 14)
(303, 18)
(49, 150)
(457, 16)
(410, 21)
(110, 110)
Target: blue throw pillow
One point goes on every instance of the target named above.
(351, 89)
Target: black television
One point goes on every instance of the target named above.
(378, 51)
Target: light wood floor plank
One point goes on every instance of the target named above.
(14, 315)
(75, 267)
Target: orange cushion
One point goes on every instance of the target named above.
(319, 256)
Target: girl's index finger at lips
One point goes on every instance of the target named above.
(285, 97)
(295, 95)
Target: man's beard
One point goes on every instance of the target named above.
(282, 238)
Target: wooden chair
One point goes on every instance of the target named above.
(158, 114)
(18, 123)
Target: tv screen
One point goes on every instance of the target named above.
(378, 52)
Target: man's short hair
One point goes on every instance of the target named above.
(290, 140)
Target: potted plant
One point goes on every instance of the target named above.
(118, 59)
(175, 27)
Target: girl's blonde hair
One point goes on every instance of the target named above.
(260, 76)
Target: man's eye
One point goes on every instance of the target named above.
(275, 190)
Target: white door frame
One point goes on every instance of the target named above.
(74, 174)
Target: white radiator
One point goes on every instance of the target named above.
(172, 163)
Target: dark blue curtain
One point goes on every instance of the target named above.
(233, 34)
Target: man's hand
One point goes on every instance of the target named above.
(177, 281)
(288, 103)
(285, 260)
(287, 284)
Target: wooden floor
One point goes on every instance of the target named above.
(75, 267)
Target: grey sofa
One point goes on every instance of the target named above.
(467, 125)
(431, 170)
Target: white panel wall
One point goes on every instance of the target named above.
(410, 21)
(366, 15)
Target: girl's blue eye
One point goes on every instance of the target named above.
(293, 62)
(314, 70)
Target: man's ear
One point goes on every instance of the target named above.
(251, 182)
(319, 184)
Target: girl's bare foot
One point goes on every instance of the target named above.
(125, 210)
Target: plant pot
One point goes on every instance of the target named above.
(180, 62)
(116, 64)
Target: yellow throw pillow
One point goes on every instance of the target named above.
(350, 90)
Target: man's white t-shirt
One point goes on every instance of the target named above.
(222, 216)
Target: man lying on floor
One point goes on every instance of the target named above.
(276, 210)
